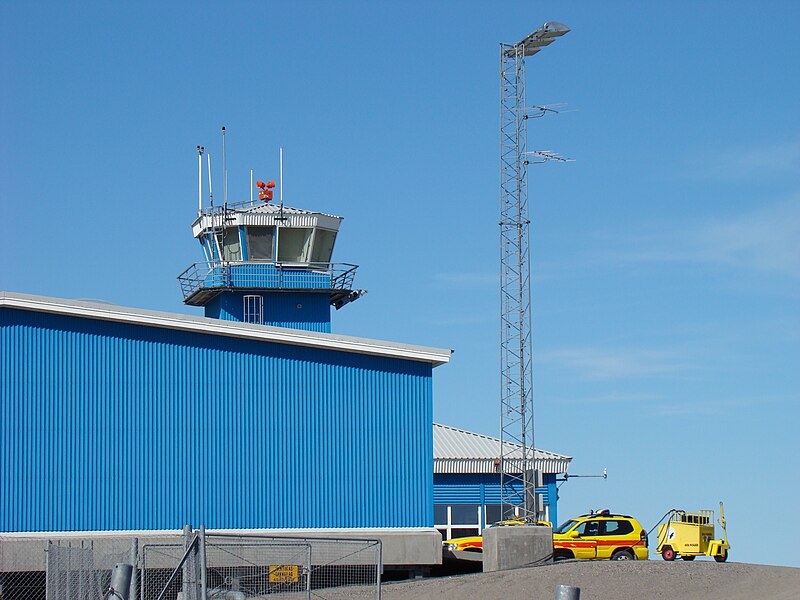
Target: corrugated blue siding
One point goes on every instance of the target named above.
(109, 426)
(308, 311)
(467, 488)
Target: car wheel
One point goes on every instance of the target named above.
(562, 555)
(721, 557)
(667, 553)
(687, 557)
(623, 555)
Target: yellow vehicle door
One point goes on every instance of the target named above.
(585, 544)
(613, 535)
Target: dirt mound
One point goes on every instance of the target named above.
(653, 579)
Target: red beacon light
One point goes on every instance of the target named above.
(265, 195)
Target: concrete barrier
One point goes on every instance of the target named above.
(516, 546)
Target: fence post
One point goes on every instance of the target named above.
(567, 592)
(188, 583)
(121, 581)
(134, 558)
(203, 565)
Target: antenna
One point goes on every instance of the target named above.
(251, 186)
(210, 190)
(517, 461)
(224, 169)
(280, 183)
(200, 179)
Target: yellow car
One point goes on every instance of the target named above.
(474, 543)
(601, 535)
(597, 535)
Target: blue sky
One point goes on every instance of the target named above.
(666, 282)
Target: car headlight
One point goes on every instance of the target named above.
(451, 547)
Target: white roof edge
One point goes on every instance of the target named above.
(264, 333)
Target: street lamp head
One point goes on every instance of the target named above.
(535, 41)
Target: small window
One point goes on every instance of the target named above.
(494, 513)
(294, 244)
(589, 528)
(440, 514)
(323, 246)
(254, 310)
(464, 532)
(464, 514)
(260, 243)
(229, 242)
(618, 527)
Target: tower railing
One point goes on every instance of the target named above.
(213, 276)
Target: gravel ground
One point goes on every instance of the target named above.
(652, 579)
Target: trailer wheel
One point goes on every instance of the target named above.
(667, 553)
(721, 557)
(687, 557)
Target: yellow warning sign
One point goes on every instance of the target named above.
(284, 574)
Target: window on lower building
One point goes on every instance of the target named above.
(254, 310)
(458, 520)
(494, 513)
(464, 514)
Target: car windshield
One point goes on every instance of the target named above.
(565, 527)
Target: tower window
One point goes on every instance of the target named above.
(231, 248)
(323, 246)
(254, 310)
(294, 244)
(260, 243)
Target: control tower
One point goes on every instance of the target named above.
(268, 264)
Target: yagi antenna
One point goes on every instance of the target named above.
(543, 156)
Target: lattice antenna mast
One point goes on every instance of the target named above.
(518, 481)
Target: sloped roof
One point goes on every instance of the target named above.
(263, 333)
(459, 451)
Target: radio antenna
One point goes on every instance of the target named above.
(210, 189)
(200, 179)
(280, 182)
(224, 170)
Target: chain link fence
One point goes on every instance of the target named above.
(194, 566)
(60, 569)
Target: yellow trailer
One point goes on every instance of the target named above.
(690, 534)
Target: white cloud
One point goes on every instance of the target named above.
(467, 280)
(750, 162)
(614, 398)
(764, 240)
(602, 363)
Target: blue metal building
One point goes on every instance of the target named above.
(466, 481)
(252, 417)
(118, 419)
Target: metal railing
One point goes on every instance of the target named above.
(215, 275)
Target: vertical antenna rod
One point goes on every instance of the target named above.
(200, 179)
(280, 182)
(210, 189)
(251, 186)
(517, 465)
(224, 170)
